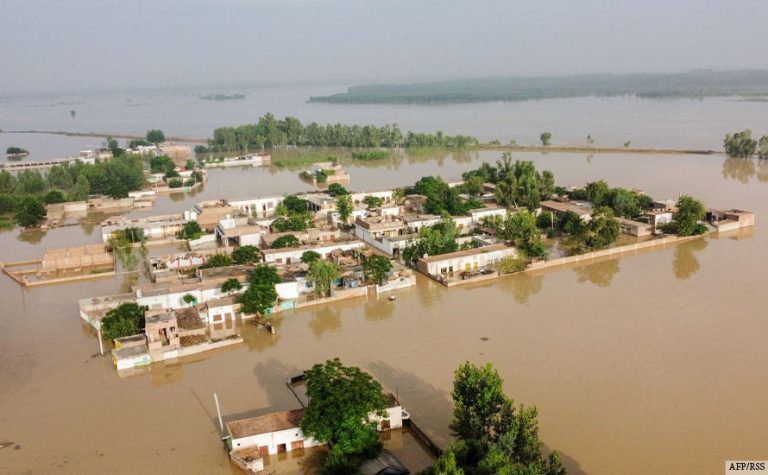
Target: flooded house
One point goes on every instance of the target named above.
(260, 207)
(209, 213)
(154, 227)
(466, 264)
(635, 228)
(583, 209)
(730, 219)
(288, 255)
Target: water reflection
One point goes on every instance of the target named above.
(743, 169)
(380, 308)
(599, 273)
(325, 319)
(686, 264)
(523, 285)
(31, 236)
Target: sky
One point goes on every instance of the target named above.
(55, 45)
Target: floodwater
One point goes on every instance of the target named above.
(649, 364)
(661, 123)
(652, 363)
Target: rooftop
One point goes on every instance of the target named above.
(468, 252)
(159, 317)
(265, 424)
(565, 207)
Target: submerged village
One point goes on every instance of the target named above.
(248, 260)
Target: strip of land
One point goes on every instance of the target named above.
(105, 134)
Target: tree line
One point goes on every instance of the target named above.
(26, 194)
(269, 133)
(742, 145)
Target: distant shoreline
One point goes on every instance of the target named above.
(102, 134)
(480, 147)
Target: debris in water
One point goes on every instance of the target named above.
(484, 338)
(5, 444)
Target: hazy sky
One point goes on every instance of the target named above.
(76, 44)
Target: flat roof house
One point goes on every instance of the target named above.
(635, 228)
(464, 261)
(582, 209)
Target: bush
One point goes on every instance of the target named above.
(545, 219)
(370, 155)
(509, 264)
(289, 240)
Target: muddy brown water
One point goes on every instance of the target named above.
(653, 363)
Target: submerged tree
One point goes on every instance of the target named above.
(341, 402)
(494, 436)
(545, 138)
(740, 144)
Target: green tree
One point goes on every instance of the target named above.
(54, 196)
(545, 138)
(762, 150)
(231, 286)
(190, 230)
(82, 188)
(246, 255)
(376, 268)
(686, 219)
(288, 240)
(322, 274)
(155, 136)
(341, 402)
(163, 164)
(336, 190)
(494, 436)
(308, 257)
(30, 211)
(261, 293)
(217, 260)
(189, 299)
(345, 207)
(432, 241)
(373, 201)
(125, 320)
(59, 177)
(597, 233)
(520, 229)
(740, 144)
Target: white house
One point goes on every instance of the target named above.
(290, 255)
(263, 207)
(468, 260)
(477, 215)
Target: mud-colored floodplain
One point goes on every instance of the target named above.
(652, 363)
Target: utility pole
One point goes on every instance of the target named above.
(218, 411)
(101, 343)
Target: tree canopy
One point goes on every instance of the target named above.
(322, 274)
(686, 219)
(308, 257)
(246, 254)
(190, 230)
(288, 240)
(518, 184)
(740, 144)
(493, 436)
(125, 320)
(155, 136)
(376, 268)
(261, 293)
(270, 132)
(345, 207)
(341, 402)
(432, 241)
(442, 198)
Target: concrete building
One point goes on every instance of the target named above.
(582, 208)
(730, 219)
(415, 223)
(477, 215)
(464, 261)
(292, 255)
(154, 227)
(162, 333)
(209, 213)
(657, 217)
(252, 159)
(176, 152)
(260, 207)
(635, 228)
